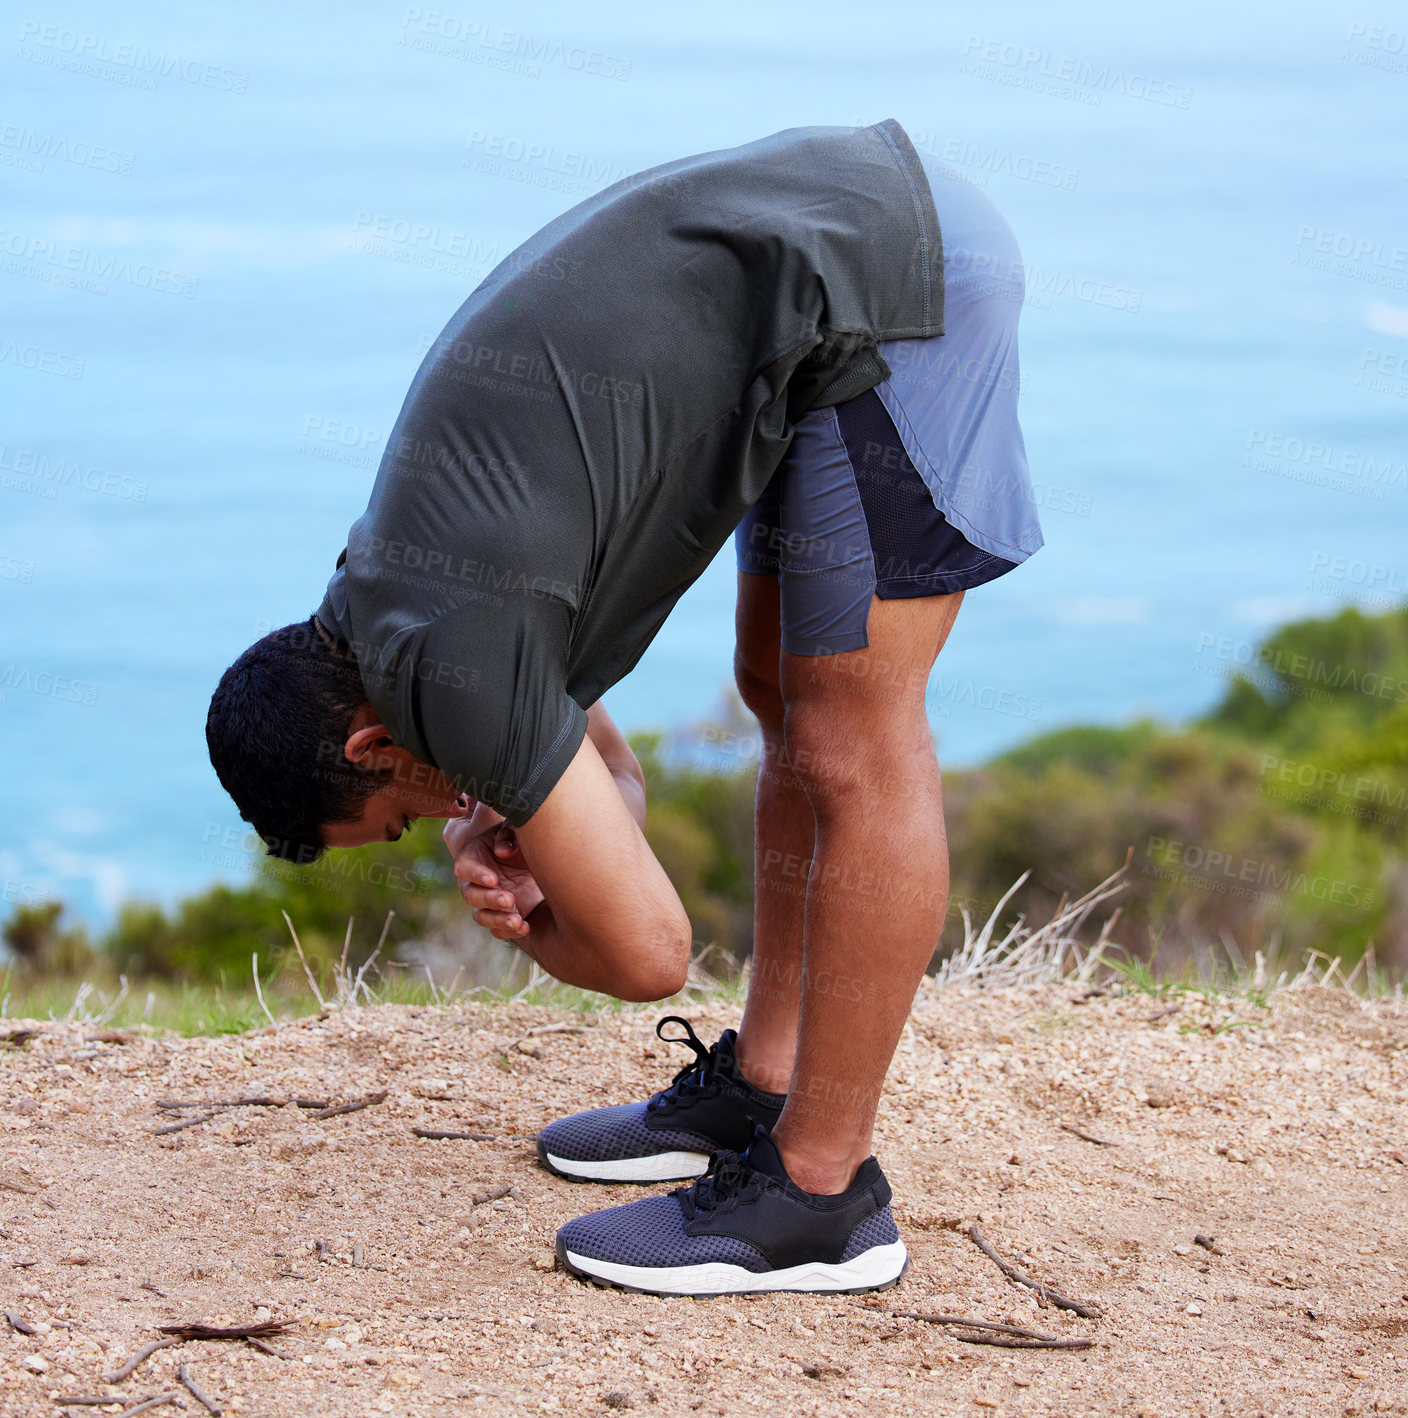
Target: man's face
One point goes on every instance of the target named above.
(387, 814)
(413, 790)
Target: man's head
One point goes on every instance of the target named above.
(298, 746)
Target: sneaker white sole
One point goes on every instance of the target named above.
(660, 1167)
(875, 1269)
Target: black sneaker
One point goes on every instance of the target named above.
(744, 1228)
(709, 1106)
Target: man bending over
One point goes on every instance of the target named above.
(808, 342)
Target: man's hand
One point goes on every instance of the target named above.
(494, 877)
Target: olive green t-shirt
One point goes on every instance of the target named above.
(595, 420)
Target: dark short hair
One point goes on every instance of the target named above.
(278, 722)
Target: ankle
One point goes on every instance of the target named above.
(820, 1173)
(769, 1071)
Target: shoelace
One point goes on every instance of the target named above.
(729, 1180)
(696, 1077)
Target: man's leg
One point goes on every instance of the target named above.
(858, 739)
(782, 849)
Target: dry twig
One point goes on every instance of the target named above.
(265, 1348)
(355, 1106)
(259, 991)
(184, 1123)
(1044, 1293)
(140, 1357)
(19, 1324)
(1006, 1336)
(155, 1401)
(312, 983)
(174, 1105)
(1163, 1013)
(183, 1373)
(198, 1329)
(442, 1133)
(1086, 1137)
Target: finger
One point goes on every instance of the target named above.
(468, 870)
(503, 925)
(484, 898)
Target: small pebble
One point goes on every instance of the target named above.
(35, 1363)
(1193, 1308)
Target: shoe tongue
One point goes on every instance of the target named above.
(763, 1156)
(725, 1057)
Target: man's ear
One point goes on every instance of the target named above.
(366, 733)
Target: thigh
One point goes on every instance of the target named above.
(852, 718)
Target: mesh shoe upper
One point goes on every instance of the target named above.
(708, 1105)
(651, 1232)
(876, 1230)
(743, 1215)
(605, 1133)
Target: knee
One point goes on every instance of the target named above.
(838, 755)
(761, 694)
(828, 763)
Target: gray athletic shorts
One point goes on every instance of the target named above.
(919, 487)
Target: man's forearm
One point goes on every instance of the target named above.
(567, 960)
(620, 761)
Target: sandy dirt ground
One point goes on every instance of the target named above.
(419, 1277)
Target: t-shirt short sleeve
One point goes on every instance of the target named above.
(481, 693)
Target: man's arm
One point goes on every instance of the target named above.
(621, 763)
(611, 921)
(495, 880)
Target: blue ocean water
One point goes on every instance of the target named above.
(229, 234)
